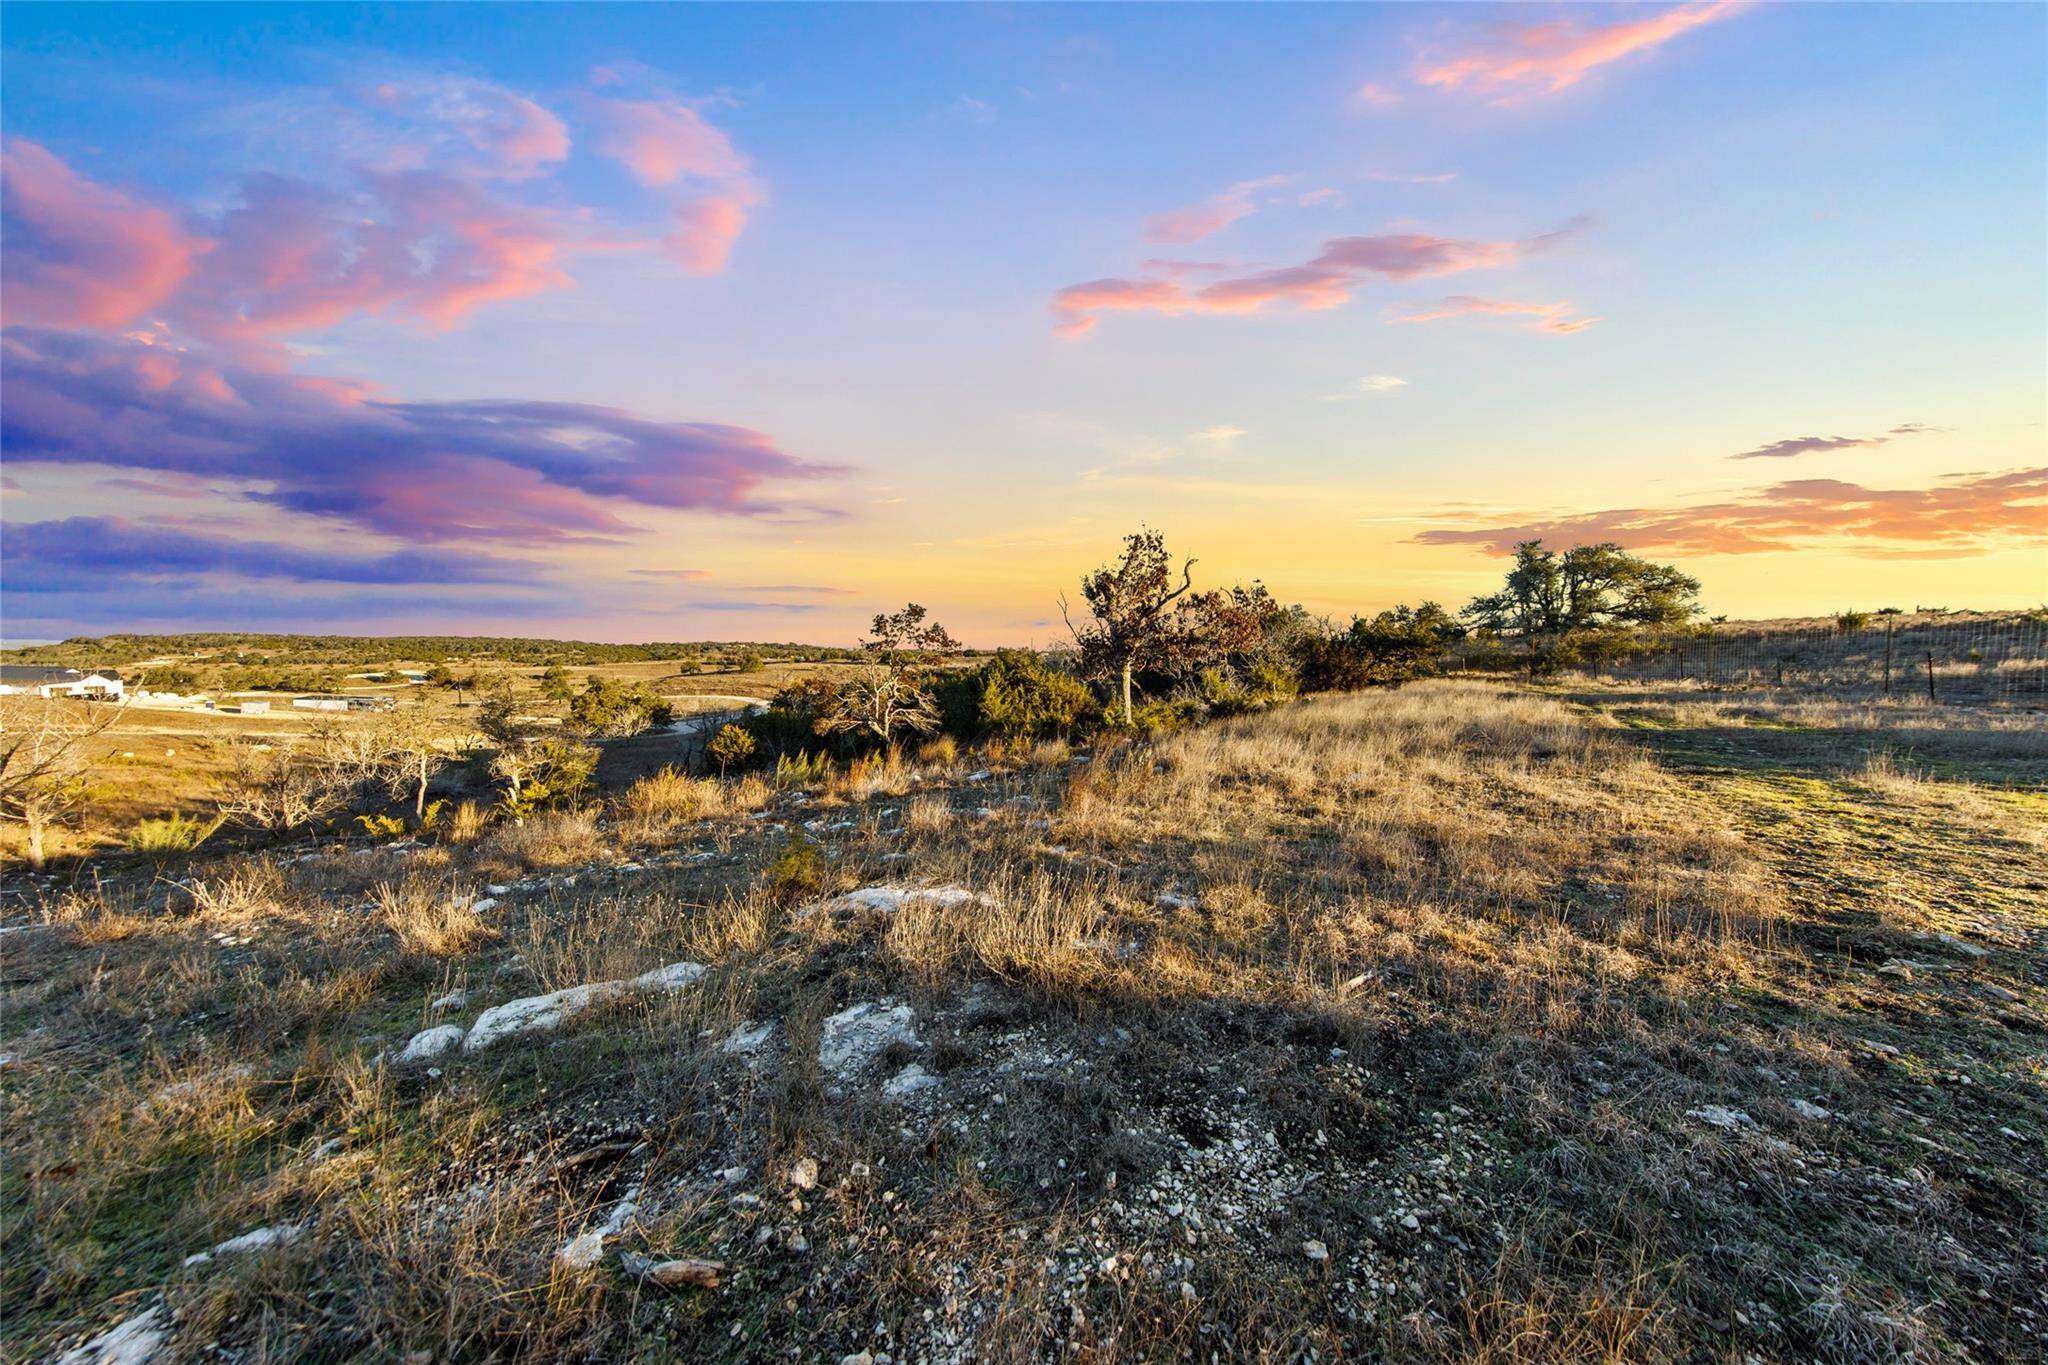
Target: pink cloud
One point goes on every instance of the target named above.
(1549, 57)
(1958, 516)
(705, 231)
(80, 254)
(1212, 215)
(1549, 317)
(294, 257)
(1326, 281)
(662, 141)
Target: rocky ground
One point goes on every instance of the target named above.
(1450, 1023)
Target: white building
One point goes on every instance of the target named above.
(21, 679)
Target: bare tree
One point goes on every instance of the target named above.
(44, 757)
(885, 702)
(403, 752)
(887, 698)
(283, 788)
(1128, 601)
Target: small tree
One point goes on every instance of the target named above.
(543, 773)
(908, 637)
(1127, 602)
(731, 745)
(555, 685)
(1588, 587)
(44, 757)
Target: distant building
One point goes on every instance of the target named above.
(59, 682)
(335, 703)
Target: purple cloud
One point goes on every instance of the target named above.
(1820, 445)
(521, 471)
(56, 556)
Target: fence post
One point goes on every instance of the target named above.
(1888, 622)
(1930, 675)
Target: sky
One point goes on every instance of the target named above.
(666, 323)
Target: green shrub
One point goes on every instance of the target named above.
(797, 870)
(1024, 698)
(794, 770)
(177, 833)
(956, 696)
(1164, 717)
(731, 747)
(1222, 697)
(1851, 621)
(790, 724)
(552, 774)
(1391, 648)
(607, 706)
(1271, 680)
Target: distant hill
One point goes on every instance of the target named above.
(249, 647)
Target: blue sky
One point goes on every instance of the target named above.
(1588, 254)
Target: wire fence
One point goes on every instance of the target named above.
(1963, 660)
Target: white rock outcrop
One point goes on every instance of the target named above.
(545, 1013)
(258, 1239)
(586, 1249)
(909, 1081)
(431, 1043)
(136, 1341)
(888, 897)
(852, 1039)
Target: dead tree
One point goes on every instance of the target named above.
(44, 757)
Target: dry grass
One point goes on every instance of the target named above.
(431, 917)
(552, 839)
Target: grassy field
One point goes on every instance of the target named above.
(1464, 1022)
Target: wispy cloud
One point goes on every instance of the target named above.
(52, 556)
(1519, 60)
(1324, 281)
(1959, 516)
(1212, 215)
(663, 141)
(1368, 386)
(1547, 317)
(1392, 178)
(1793, 446)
